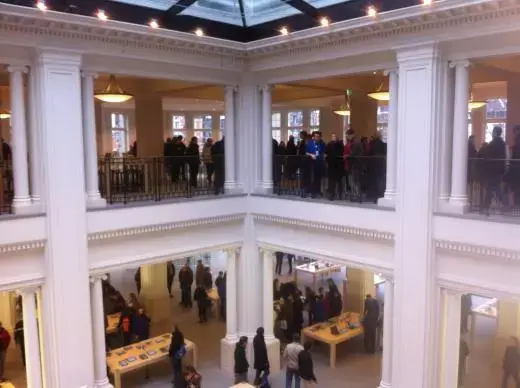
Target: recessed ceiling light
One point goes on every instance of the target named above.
(427, 2)
(371, 11)
(324, 21)
(284, 31)
(102, 15)
(41, 5)
(153, 23)
(199, 32)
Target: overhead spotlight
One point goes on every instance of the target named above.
(153, 23)
(41, 5)
(371, 11)
(199, 32)
(324, 21)
(102, 15)
(284, 31)
(427, 2)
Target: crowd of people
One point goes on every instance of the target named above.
(355, 170)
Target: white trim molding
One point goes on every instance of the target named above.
(366, 234)
(109, 234)
(21, 282)
(22, 246)
(477, 250)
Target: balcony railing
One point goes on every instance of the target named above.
(359, 179)
(132, 179)
(494, 186)
(6, 186)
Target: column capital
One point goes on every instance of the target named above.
(98, 277)
(459, 63)
(89, 73)
(266, 251)
(387, 72)
(17, 67)
(235, 250)
(230, 88)
(265, 88)
(453, 292)
(27, 291)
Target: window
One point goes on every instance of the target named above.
(119, 124)
(178, 122)
(489, 130)
(276, 120)
(118, 121)
(295, 119)
(277, 135)
(315, 118)
(203, 122)
(382, 121)
(222, 124)
(496, 109)
(295, 133)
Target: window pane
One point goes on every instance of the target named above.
(315, 118)
(295, 119)
(207, 122)
(293, 132)
(180, 133)
(198, 122)
(276, 120)
(178, 122)
(118, 120)
(222, 123)
(277, 135)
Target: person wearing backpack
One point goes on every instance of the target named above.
(176, 353)
(125, 325)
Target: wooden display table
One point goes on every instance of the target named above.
(133, 357)
(113, 321)
(6, 384)
(213, 296)
(316, 270)
(321, 332)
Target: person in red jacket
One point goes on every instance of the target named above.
(5, 339)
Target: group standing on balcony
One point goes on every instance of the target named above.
(355, 170)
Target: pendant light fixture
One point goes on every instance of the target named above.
(475, 104)
(379, 94)
(113, 92)
(344, 109)
(4, 113)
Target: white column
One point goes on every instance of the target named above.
(231, 296)
(459, 187)
(450, 332)
(89, 141)
(229, 136)
(31, 339)
(388, 327)
(267, 293)
(391, 140)
(267, 140)
(22, 199)
(34, 138)
(98, 332)
(445, 152)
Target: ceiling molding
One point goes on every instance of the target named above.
(105, 235)
(477, 250)
(347, 230)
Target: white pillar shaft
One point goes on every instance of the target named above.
(388, 326)
(391, 138)
(31, 340)
(98, 332)
(229, 135)
(89, 137)
(268, 295)
(447, 133)
(34, 143)
(19, 139)
(459, 185)
(451, 310)
(231, 297)
(267, 148)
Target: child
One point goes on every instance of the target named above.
(192, 378)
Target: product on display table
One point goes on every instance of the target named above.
(213, 296)
(319, 269)
(143, 354)
(334, 331)
(113, 321)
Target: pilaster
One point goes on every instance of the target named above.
(388, 334)
(230, 183)
(450, 338)
(227, 344)
(418, 121)
(267, 140)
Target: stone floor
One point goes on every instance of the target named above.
(354, 368)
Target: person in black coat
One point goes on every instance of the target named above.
(370, 319)
(261, 364)
(218, 156)
(19, 338)
(297, 312)
(334, 159)
(201, 297)
(279, 262)
(185, 281)
(175, 354)
(193, 159)
(511, 363)
(170, 275)
(305, 365)
(241, 363)
(137, 279)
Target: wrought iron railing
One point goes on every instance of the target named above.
(133, 179)
(6, 186)
(359, 179)
(494, 186)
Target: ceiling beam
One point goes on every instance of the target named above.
(304, 8)
(179, 6)
(242, 12)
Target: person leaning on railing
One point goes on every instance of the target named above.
(208, 160)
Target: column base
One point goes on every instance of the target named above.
(385, 385)
(386, 201)
(25, 206)
(455, 206)
(103, 383)
(157, 307)
(231, 187)
(227, 354)
(273, 353)
(266, 187)
(96, 202)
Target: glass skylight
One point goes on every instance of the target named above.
(162, 5)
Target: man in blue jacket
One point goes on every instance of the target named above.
(315, 150)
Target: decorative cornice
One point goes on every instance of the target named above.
(438, 17)
(22, 246)
(165, 227)
(347, 230)
(476, 250)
